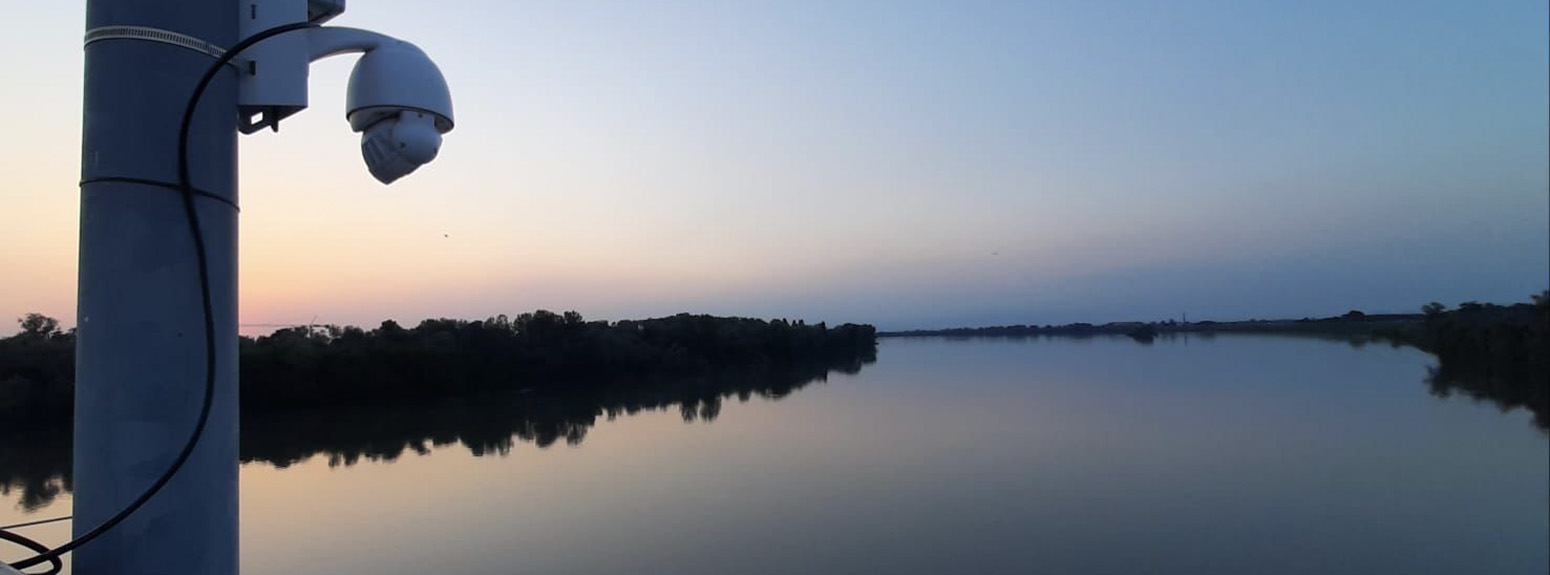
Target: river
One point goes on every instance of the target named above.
(1191, 455)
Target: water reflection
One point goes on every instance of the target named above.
(37, 466)
(1508, 386)
(493, 425)
(1508, 389)
(1247, 454)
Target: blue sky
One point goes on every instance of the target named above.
(908, 164)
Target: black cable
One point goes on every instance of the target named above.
(161, 184)
(54, 563)
(38, 522)
(197, 233)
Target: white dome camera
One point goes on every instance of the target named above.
(397, 98)
(399, 102)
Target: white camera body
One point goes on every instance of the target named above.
(397, 97)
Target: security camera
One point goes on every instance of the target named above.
(396, 145)
(400, 104)
(397, 98)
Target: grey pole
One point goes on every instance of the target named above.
(140, 339)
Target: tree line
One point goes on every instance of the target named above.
(328, 366)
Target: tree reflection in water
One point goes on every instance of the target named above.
(1508, 387)
(37, 465)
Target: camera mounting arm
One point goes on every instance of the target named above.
(391, 75)
(397, 97)
(337, 40)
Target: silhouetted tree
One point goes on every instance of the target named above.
(36, 325)
(332, 366)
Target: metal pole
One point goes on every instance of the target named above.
(140, 347)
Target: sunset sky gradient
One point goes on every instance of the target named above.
(907, 164)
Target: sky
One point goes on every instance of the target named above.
(908, 164)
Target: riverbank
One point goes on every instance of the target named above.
(334, 367)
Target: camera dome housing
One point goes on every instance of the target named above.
(393, 78)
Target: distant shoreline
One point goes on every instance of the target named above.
(1406, 328)
(1485, 351)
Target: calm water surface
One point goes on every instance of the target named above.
(1228, 455)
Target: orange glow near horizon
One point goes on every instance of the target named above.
(1025, 170)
